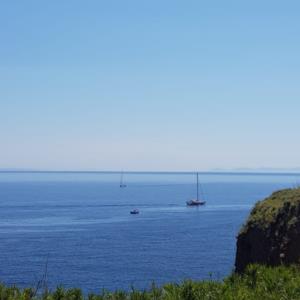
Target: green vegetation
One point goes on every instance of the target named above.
(258, 282)
(271, 235)
(284, 202)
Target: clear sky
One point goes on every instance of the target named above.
(149, 85)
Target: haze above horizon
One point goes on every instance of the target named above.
(160, 85)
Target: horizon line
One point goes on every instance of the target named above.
(284, 172)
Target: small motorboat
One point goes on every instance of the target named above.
(134, 212)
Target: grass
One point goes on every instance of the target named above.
(258, 282)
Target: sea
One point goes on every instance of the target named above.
(74, 229)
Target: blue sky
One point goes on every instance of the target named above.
(149, 85)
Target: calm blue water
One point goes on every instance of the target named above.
(81, 222)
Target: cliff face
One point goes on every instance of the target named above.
(271, 235)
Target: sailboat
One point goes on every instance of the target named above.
(197, 201)
(122, 184)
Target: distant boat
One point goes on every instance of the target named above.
(134, 212)
(197, 201)
(122, 184)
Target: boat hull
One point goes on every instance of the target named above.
(195, 203)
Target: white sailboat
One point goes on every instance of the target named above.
(122, 184)
(197, 201)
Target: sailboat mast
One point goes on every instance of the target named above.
(197, 186)
(121, 179)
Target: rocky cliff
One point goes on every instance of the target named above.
(271, 235)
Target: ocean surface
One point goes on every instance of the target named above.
(79, 226)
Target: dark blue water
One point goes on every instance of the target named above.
(81, 224)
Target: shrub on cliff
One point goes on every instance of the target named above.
(271, 235)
